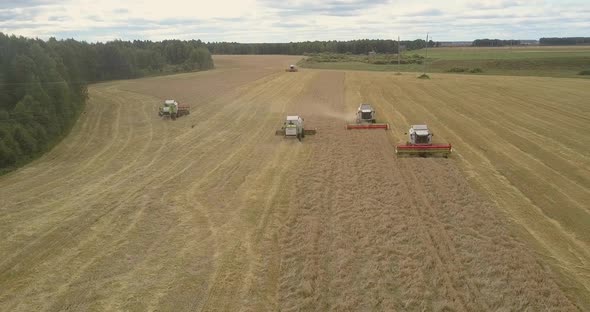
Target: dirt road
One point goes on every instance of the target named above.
(213, 212)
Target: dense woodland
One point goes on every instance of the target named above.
(565, 41)
(43, 84)
(542, 41)
(300, 48)
(495, 43)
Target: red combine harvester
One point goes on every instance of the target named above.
(365, 119)
(420, 144)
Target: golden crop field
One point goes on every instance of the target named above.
(213, 212)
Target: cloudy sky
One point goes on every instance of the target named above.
(293, 20)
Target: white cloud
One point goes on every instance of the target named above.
(293, 20)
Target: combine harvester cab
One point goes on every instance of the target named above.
(365, 119)
(293, 127)
(420, 144)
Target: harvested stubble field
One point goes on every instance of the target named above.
(213, 212)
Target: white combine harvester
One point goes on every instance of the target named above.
(365, 119)
(172, 109)
(293, 127)
(420, 144)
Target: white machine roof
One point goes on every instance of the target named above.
(292, 118)
(420, 130)
(366, 107)
(169, 101)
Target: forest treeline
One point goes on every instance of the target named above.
(43, 84)
(565, 41)
(494, 43)
(300, 48)
(543, 41)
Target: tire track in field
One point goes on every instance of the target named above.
(80, 196)
(179, 254)
(562, 172)
(573, 253)
(531, 161)
(55, 161)
(148, 143)
(492, 265)
(58, 242)
(238, 220)
(106, 89)
(399, 106)
(439, 244)
(16, 255)
(198, 183)
(106, 150)
(441, 255)
(386, 239)
(532, 116)
(218, 291)
(328, 258)
(164, 182)
(50, 162)
(412, 100)
(104, 191)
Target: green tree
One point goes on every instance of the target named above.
(7, 155)
(26, 141)
(44, 85)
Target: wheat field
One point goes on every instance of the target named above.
(213, 212)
